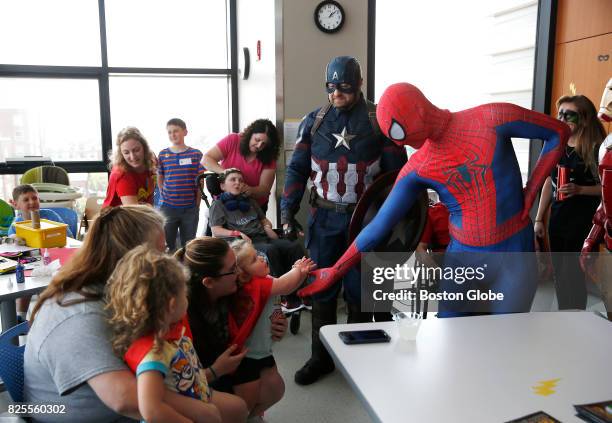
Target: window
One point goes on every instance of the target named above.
(52, 33)
(90, 184)
(148, 102)
(475, 52)
(74, 72)
(172, 34)
(57, 118)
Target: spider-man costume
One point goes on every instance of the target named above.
(468, 158)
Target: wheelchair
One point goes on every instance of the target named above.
(209, 181)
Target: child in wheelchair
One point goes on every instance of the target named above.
(234, 214)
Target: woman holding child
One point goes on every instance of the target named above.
(68, 356)
(220, 314)
(254, 151)
(131, 178)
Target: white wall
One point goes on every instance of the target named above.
(306, 51)
(302, 54)
(256, 95)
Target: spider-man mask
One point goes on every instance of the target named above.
(404, 115)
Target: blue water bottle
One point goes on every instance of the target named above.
(20, 272)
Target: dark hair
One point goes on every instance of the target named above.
(204, 257)
(22, 189)
(272, 149)
(177, 122)
(228, 172)
(589, 132)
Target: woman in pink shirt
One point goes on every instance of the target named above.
(254, 151)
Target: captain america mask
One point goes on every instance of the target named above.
(342, 87)
(343, 73)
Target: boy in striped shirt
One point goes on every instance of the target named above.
(178, 166)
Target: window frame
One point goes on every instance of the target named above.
(543, 67)
(101, 74)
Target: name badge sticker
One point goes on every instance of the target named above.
(185, 162)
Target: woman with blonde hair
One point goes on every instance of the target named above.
(68, 356)
(573, 203)
(131, 178)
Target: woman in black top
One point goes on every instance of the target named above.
(570, 219)
(213, 269)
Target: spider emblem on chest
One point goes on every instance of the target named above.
(468, 178)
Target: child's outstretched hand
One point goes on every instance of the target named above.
(305, 266)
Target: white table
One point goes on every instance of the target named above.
(32, 286)
(479, 369)
(9, 295)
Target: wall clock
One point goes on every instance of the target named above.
(329, 16)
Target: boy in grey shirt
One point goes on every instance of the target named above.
(235, 215)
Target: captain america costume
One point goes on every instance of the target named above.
(341, 159)
(468, 158)
(339, 151)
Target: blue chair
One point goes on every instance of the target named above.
(11, 360)
(69, 217)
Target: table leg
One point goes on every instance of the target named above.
(8, 313)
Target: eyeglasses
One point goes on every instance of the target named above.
(231, 272)
(342, 87)
(569, 116)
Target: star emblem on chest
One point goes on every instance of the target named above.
(343, 139)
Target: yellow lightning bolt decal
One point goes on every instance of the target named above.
(545, 387)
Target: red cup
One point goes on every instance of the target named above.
(562, 179)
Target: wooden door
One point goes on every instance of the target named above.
(583, 67)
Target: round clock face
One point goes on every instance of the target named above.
(329, 16)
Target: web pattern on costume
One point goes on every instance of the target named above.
(469, 160)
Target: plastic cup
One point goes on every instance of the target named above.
(408, 325)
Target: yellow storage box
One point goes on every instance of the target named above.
(51, 234)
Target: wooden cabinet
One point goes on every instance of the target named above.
(585, 65)
(578, 19)
(583, 50)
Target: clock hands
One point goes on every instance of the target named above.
(332, 13)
